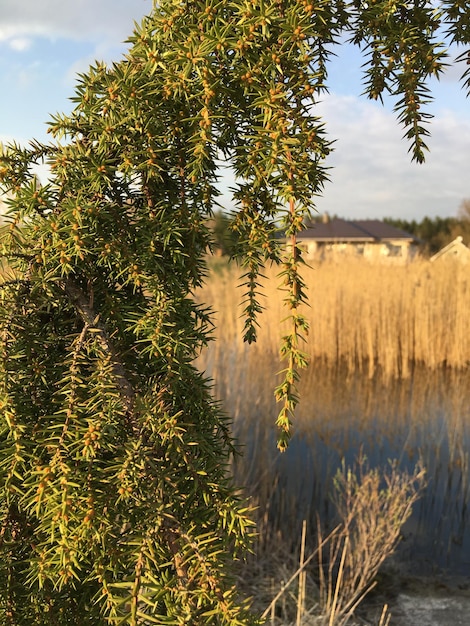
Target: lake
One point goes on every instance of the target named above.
(422, 419)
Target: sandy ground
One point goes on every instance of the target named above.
(424, 602)
(431, 611)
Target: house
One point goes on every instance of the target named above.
(371, 239)
(455, 250)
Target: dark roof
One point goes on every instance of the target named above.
(361, 230)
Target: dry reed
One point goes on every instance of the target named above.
(334, 579)
(373, 506)
(383, 318)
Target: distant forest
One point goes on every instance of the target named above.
(435, 233)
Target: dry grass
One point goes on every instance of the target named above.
(373, 506)
(373, 317)
(326, 586)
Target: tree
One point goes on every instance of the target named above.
(115, 500)
(464, 210)
(225, 240)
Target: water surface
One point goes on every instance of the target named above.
(423, 419)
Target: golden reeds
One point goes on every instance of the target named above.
(383, 318)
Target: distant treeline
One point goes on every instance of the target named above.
(434, 233)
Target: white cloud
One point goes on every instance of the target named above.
(102, 25)
(20, 44)
(372, 173)
(80, 20)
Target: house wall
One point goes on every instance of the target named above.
(383, 252)
(456, 251)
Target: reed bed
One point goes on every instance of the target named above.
(376, 318)
(407, 409)
(389, 348)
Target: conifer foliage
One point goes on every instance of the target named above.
(116, 507)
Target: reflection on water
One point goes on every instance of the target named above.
(425, 418)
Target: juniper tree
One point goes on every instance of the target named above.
(116, 505)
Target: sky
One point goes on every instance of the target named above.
(45, 43)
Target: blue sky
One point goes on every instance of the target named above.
(44, 43)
